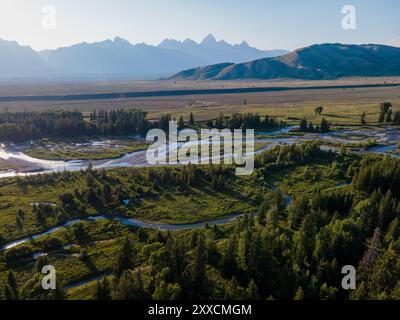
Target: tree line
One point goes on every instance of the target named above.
(25, 126)
(245, 121)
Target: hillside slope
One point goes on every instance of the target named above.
(317, 62)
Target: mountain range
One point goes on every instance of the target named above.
(316, 62)
(120, 58)
(21, 61)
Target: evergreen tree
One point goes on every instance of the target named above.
(325, 125)
(197, 267)
(299, 294)
(126, 258)
(385, 107)
(229, 263)
(181, 123)
(303, 125)
(363, 119)
(21, 214)
(11, 290)
(19, 224)
(396, 117)
(191, 119)
(102, 290)
(381, 118)
(388, 118)
(107, 193)
(262, 215)
(252, 290)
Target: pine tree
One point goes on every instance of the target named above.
(197, 267)
(125, 260)
(388, 117)
(262, 215)
(40, 263)
(191, 119)
(327, 292)
(107, 193)
(21, 214)
(371, 255)
(233, 291)
(303, 125)
(125, 289)
(381, 118)
(363, 119)
(11, 289)
(229, 264)
(299, 294)
(19, 224)
(102, 290)
(396, 117)
(385, 107)
(325, 125)
(252, 291)
(161, 292)
(181, 123)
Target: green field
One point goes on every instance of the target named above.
(74, 150)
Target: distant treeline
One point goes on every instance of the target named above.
(245, 121)
(387, 115)
(25, 126)
(306, 126)
(235, 121)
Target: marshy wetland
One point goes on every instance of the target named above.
(55, 156)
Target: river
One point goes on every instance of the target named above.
(387, 142)
(131, 223)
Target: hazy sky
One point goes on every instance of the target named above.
(266, 24)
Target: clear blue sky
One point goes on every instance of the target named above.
(267, 24)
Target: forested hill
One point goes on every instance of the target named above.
(317, 62)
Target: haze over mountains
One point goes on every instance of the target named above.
(317, 62)
(210, 59)
(20, 61)
(219, 51)
(120, 58)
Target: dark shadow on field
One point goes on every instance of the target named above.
(337, 116)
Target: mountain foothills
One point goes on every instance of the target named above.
(118, 57)
(317, 62)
